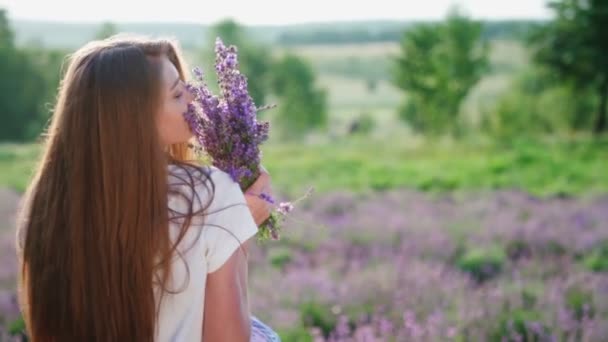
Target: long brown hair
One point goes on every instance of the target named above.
(93, 229)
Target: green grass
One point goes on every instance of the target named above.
(17, 163)
(551, 168)
(543, 169)
(363, 164)
(393, 162)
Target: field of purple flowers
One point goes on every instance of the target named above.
(410, 266)
(403, 265)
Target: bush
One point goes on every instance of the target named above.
(518, 249)
(280, 257)
(364, 124)
(579, 302)
(530, 294)
(482, 263)
(517, 325)
(314, 314)
(17, 328)
(538, 105)
(299, 334)
(597, 260)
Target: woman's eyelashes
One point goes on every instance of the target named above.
(181, 93)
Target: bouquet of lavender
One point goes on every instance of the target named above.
(227, 130)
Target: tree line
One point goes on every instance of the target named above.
(564, 89)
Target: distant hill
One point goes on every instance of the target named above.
(72, 35)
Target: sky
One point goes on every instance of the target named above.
(265, 12)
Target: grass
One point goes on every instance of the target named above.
(539, 168)
(17, 163)
(388, 159)
(360, 164)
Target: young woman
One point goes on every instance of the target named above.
(122, 236)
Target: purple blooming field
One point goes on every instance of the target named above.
(405, 265)
(408, 266)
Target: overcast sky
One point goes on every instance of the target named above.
(266, 12)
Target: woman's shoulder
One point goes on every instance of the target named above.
(218, 197)
(183, 174)
(203, 179)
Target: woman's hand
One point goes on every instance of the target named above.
(259, 207)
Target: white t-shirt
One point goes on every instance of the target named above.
(181, 315)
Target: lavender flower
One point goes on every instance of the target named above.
(227, 130)
(285, 207)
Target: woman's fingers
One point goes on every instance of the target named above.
(260, 208)
(261, 185)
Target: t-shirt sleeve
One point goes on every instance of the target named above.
(229, 222)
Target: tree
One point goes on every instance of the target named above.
(302, 106)
(230, 31)
(7, 37)
(254, 60)
(106, 30)
(438, 65)
(21, 87)
(539, 103)
(575, 47)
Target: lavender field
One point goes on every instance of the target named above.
(408, 266)
(474, 261)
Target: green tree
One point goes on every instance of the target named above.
(302, 106)
(106, 30)
(438, 65)
(575, 47)
(254, 58)
(230, 31)
(21, 87)
(539, 103)
(7, 37)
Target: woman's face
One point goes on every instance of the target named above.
(175, 97)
